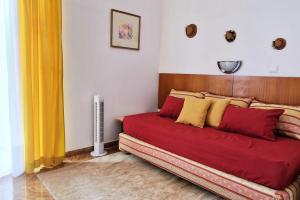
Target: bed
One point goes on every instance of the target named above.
(210, 156)
(228, 164)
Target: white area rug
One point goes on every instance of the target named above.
(119, 177)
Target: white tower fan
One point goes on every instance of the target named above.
(98, 127)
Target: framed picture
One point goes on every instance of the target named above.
(125, 30)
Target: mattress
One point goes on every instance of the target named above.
(268, 163)
(223, 184)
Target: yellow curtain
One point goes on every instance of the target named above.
(42, 73)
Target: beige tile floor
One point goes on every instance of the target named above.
(28, 187)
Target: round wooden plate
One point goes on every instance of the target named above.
(230, 35)
(191, 30)
(279, 43)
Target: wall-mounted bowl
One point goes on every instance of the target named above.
(229, 67)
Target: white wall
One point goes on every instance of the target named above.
(256, 22)
(127, 79)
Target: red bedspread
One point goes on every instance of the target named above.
(272, 164)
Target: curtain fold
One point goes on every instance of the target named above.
(14, 83)
(42, 82)
(11, 132)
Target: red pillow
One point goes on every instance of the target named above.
(258, 123)
(172, 107)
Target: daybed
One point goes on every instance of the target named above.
(234, 166)
(231, 165)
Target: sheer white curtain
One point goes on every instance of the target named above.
(11, 135)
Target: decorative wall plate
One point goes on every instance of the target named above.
(279, 43)
(230, 35)
(191, 30)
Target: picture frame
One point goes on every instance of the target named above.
(125, 30)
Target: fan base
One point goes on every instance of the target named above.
(95, 154)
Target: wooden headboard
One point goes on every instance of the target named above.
(279, 90)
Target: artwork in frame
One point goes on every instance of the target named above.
(125, 30)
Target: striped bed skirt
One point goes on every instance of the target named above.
(223, 184)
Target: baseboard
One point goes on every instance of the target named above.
(90, 149)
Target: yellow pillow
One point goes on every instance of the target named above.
(194, 111)
(216, 111)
